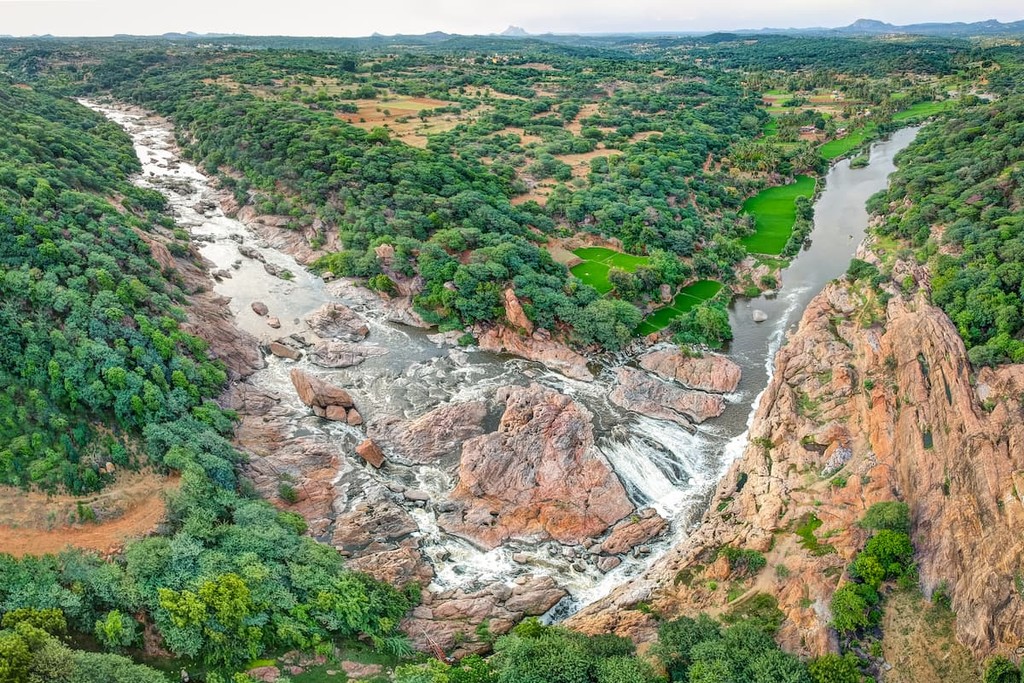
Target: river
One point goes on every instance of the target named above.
(661, 464)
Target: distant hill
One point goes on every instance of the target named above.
(514, 32)
(873, 27)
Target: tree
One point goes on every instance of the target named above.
(893, 549)
(849, 609)
(116, 631)
(677, 638)
(891, 515)
(706, 324)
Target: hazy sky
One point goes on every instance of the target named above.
(363, 17)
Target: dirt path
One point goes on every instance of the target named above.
(33, 523)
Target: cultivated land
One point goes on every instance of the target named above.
(684, 301)
(849, 142)
(598, 262)
(774, 212)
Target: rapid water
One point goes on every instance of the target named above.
(661, 464)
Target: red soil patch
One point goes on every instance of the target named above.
(33, 523)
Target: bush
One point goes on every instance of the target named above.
(742, 561)
(858, 270)
(891, 515)
(832, 668)
(1001, 670)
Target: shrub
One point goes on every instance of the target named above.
(891, 515)
(1001, 670)
(832, 668)
(742, 561)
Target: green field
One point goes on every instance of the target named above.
(598, 262)
(844, 145)
(686, 299)
(922, 110)
(774, 212)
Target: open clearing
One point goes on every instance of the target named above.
(401, 117)
(920, 642)
(34, 523)
(774, 212)
(684, 301)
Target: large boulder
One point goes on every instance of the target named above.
(633, 531)
(642, 393)
(337, 321)
(324, 398)
(709, 372)
(537, 347)
(451, 619)
(537, 477)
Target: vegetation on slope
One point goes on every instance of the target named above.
(956, 199)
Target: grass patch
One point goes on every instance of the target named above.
(594, 274)
(598, 261)
(851, 141)
(685, 300)
(809, 540)
(774, 212)
(611, 258)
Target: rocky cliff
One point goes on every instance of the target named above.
(871, 400)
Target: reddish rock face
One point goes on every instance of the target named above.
(892, 409)
(515, 314)
(631, 532)
(641, 393)
(538, 347)
(707, 373)
(315, 392)
(537, 477)
(429, 437)
(450, 619)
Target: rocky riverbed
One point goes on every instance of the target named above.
(502, 486)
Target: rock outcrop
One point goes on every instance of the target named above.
(538, 477)
(450, 619)
(536, 347)
(431, 436)
(340, 354)
(337, 321)
(639, 392)
(858, 413)
(709, 372)
(633, 531)
(515, 314)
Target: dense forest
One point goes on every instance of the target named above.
(476, 168)
(95, 368)
(957, 201)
